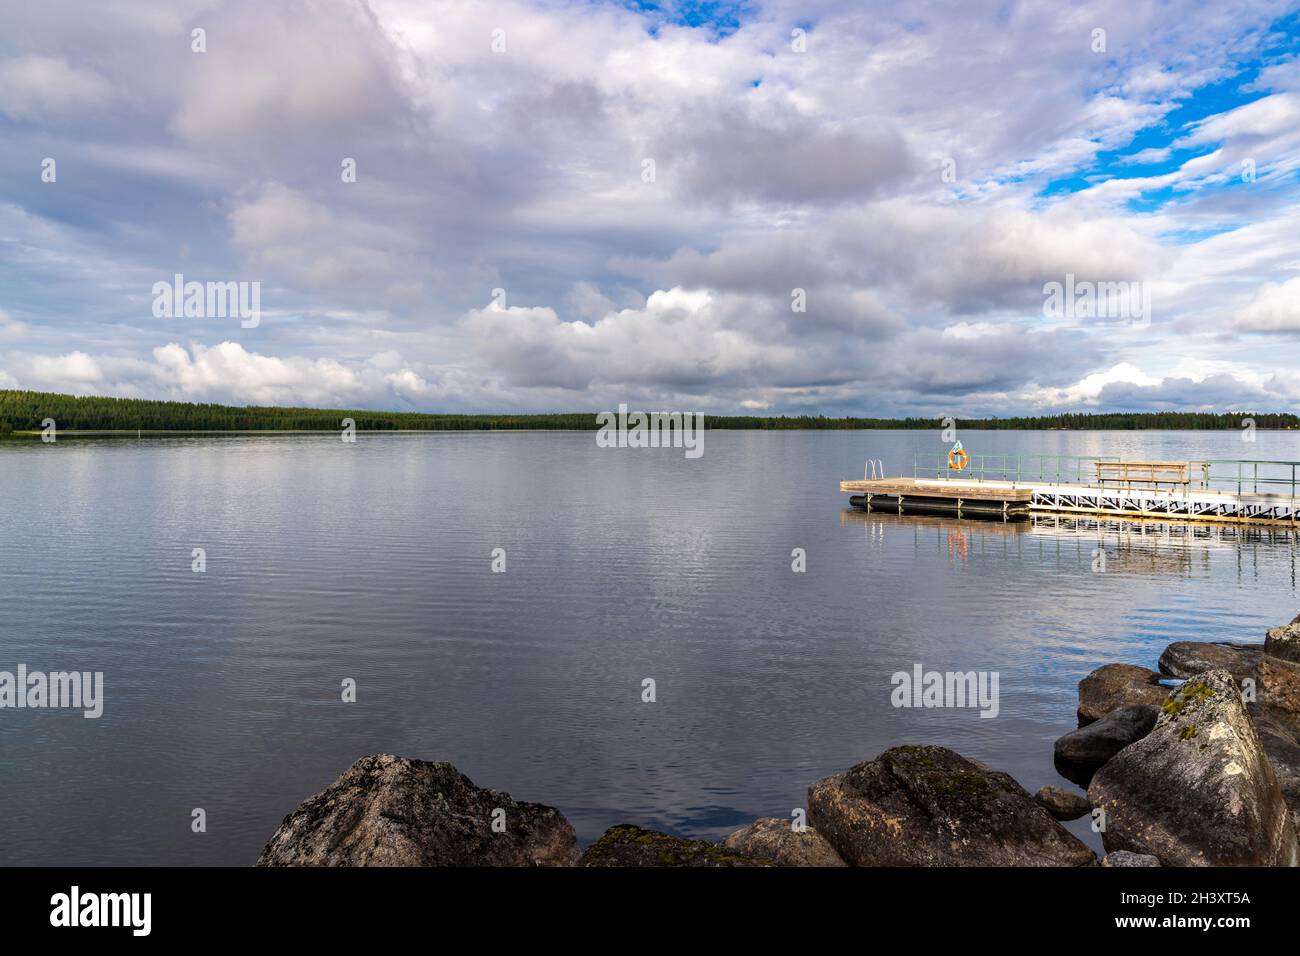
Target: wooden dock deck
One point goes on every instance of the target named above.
(1014, 500)
(937, 488)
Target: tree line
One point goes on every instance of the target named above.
(26, 410)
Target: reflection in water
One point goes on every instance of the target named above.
(372, 561)
(1139, 545)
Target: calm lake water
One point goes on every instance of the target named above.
(372, 561)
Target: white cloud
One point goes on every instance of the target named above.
(230, 369)
(295, 69)
(284, 233)
(10, 328)
(73, 371)
(1264, 117)
(229, 372)
(1089, 389)
(35, 88)
(681, 338)
(1275, 308)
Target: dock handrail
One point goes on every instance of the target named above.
(1065, 469)
(1255, 479)
(1208, 474)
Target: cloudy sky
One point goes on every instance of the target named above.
(647, 185)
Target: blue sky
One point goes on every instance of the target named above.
(719, 17)
(567, 204)
(1157, 150)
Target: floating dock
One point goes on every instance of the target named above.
(1011, 488)
(915, 496)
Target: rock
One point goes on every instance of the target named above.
(626, 845)
(929, 806)
(1189, 658)
(1284, 642)
(1125, 858)
(1278, 736)
(1112, 686)
(391, 811)
(1062, 804)
(776, 840)
(1093, 744)
(1198, 790)
(1277, 685)
(1077, 773)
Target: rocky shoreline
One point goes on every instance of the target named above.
(1197, 764)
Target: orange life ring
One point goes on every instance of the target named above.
(957, 460)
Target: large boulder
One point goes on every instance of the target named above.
(1113, 686)
(1198, 790)
(391, 811)
(1080, 752)
(1189, 658)
(626, 845)
(777, 840)
(929, 806)
(1284, 642)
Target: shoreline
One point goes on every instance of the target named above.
(1205, 772)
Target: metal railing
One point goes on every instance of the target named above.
(1242, 476)
(1256, 477)
(1039, 469)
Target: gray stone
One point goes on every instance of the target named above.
(1062, 804)
(1278, 733)
(1189, 658)
(1277, 685)
(777, 840)
(1125, 858)
(1199, 789)
(1095, 743)
(1112, 686)
(391, 811)
(1284, 642)
(929, 806)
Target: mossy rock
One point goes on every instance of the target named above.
(627, 845)
(930, 806)
(1199, 790)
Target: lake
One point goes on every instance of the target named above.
(372, 562)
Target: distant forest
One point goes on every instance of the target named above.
(24, 411)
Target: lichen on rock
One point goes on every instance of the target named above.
(393, 811)
(1199, 789)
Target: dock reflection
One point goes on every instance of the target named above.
(1145, 546)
